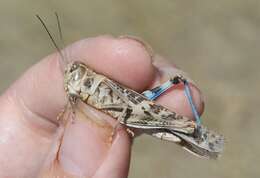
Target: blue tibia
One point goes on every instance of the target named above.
(158, 91)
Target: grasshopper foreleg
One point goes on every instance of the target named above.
(121, 113)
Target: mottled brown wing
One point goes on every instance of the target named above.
(143, 113)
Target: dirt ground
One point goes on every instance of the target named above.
(216, 42)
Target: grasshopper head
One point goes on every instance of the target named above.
(75, 76)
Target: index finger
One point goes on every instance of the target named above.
(41, 87)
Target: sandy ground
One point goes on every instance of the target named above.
(216, 42)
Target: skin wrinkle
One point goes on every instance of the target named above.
(53, 74)
(46, 125)
(42, 127)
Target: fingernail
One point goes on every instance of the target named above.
(165, 72)
(147, 47)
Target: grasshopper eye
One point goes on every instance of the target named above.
(73, 67)
(88, 82)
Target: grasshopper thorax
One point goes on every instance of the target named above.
(80, 81)
(77, 76)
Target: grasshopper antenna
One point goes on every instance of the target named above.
(59, 27)
(61, 37)
(51, 36)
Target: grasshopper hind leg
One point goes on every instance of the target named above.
(156, 92)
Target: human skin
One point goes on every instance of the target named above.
(33, 143)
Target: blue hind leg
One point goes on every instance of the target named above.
(158, 91)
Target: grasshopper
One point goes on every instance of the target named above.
(138, 111)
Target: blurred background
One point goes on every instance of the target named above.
(216, 42)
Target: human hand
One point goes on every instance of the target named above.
(33, 144)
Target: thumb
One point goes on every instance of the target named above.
(86, 148)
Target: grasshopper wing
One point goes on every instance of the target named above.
(143, 113)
